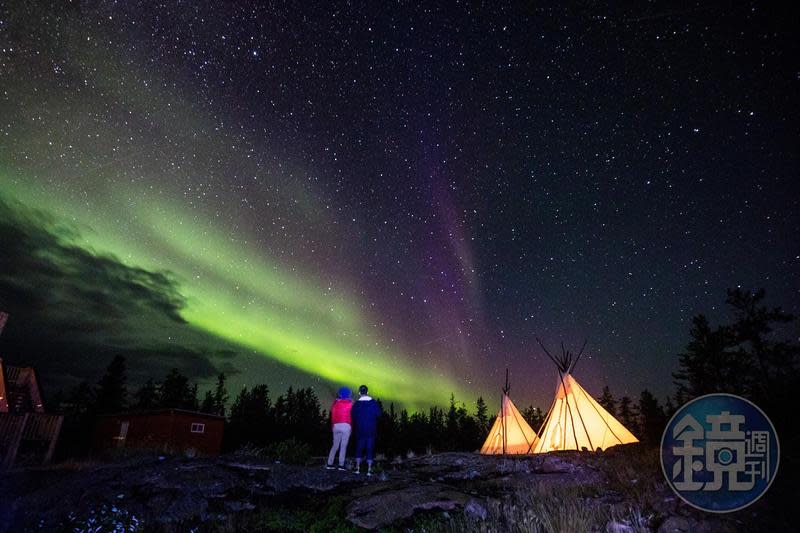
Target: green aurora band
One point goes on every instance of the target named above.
(236, 286)
(237, 294)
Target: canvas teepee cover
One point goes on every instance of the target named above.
(510, 433)
(575, 420)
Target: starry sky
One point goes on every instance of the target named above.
(314, 193)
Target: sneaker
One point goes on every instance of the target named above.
(369, 474)
(341, 468)
(328, 467)
(357, 472)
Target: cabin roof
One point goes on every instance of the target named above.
(148, 412)
(16, 381)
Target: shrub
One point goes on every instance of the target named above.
(543, 508)
(289, 451)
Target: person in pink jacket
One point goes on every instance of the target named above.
(342, 424)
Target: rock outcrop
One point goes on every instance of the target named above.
(181, 493)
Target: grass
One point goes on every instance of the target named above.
(73, 465)
(636, 475)
(303, 513)
(289, 451)
(542, 508)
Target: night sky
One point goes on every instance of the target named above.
(404, 195)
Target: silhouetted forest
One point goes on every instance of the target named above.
(744, 357)
(255, 418)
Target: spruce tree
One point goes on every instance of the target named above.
(208, 405)
(177, 393)
(533, 416)
(481, 415)
(112, 390)
(147, 397)
(220, 397)
(652, 419)
(607, 401)
(627, 414)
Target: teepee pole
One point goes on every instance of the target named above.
(523, 433)
(575, 363)
(569, 412)
(503, 420)
(569, 364)
(562, 413)
(506, 388)
(540, 433)
(601, 416)
(553, 359)
(589, 437)
(565, 363)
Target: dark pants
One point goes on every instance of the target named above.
(361, 444)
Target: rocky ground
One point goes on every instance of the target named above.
(620, 490)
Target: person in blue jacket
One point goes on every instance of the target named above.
(365, 415)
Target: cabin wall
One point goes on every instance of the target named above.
(168, 431)
(209, 442)
(28, 438)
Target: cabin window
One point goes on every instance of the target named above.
(198, 428)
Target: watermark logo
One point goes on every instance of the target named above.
(720, 453)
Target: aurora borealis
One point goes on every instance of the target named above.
(317, 195)
(241, 298)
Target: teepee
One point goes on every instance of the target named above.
(575, 420)
(510, 433)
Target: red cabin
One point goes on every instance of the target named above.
(170, 430)
(27, 434)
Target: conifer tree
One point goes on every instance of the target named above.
(607, 401)
(112, 389)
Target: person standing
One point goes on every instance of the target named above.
(341, 423)
(365, 415)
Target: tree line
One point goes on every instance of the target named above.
(255, 418)
(742, 357)
(755, 356)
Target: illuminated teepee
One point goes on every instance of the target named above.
(510, 433)
(575, 420)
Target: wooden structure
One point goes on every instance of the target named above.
(28, 435)
(575, 421)
(169, 430)
(510, 433)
